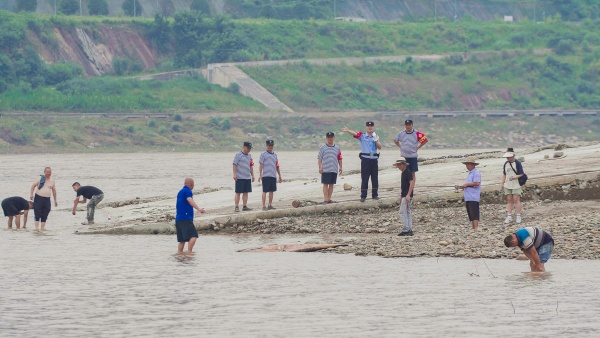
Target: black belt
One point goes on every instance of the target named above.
(368, 154)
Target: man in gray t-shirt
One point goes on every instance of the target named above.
(243, 175)
(410, 141)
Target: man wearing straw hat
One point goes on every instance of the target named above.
(472, 189)
(407, 185)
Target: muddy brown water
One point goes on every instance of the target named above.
(58, 284)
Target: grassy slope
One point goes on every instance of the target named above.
(119, 95)
(520, 82)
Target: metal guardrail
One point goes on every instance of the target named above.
(495, 113)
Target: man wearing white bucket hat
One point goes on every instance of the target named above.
(472, 189)
(512, 171)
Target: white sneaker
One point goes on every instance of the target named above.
(518, 219)
(508, 219)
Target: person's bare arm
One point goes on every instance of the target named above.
(533, 256)
(194, 205)
(351, 132)
(279, 173)
(75, 205)
(320, 166)
(25, 213)
(411, 187)
(235, 172)
(340, 163)
(422, 144)
(260, 171)
(54, 194)
(33, 189)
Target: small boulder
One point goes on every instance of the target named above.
(296, 204)
(558, 154)
(347, 186)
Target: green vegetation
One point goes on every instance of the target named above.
(281, 10)
(69, 7)
(106, 94)
(192, 39)
(98, 7)
(132, 8)
(500, 81)
(292, 132)
(26, 5)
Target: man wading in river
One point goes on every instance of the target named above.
(184, 219)
(535, 243)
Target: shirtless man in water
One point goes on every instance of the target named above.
(41, 201)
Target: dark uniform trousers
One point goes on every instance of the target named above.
(369, 168)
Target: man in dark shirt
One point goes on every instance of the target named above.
(88, 192)
(15, 206)
(407, 184)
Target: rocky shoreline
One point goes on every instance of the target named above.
(560, 199)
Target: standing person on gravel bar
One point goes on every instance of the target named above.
(88, 192)
(472, 189)
(369, 155)
(410, 141)
(243, 175)
(268, 169)
(512, 171)
(330, 164)
(407, 185)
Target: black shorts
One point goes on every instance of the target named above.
(9, 209)
(329, 178)
(413, 164)
(269, 184)
(41, 208)
(242, 186)
(185, 230)
(472, 210)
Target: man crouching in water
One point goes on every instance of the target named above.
(535, 243)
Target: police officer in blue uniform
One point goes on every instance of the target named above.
(369, 155)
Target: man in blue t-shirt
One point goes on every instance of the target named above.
(535, 243)
(184, 220)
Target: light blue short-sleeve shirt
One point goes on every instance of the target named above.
(473, 193)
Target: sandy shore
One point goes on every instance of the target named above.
(561, 197)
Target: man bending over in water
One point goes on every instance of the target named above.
(535, 243)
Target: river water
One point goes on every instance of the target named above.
(59, 284)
